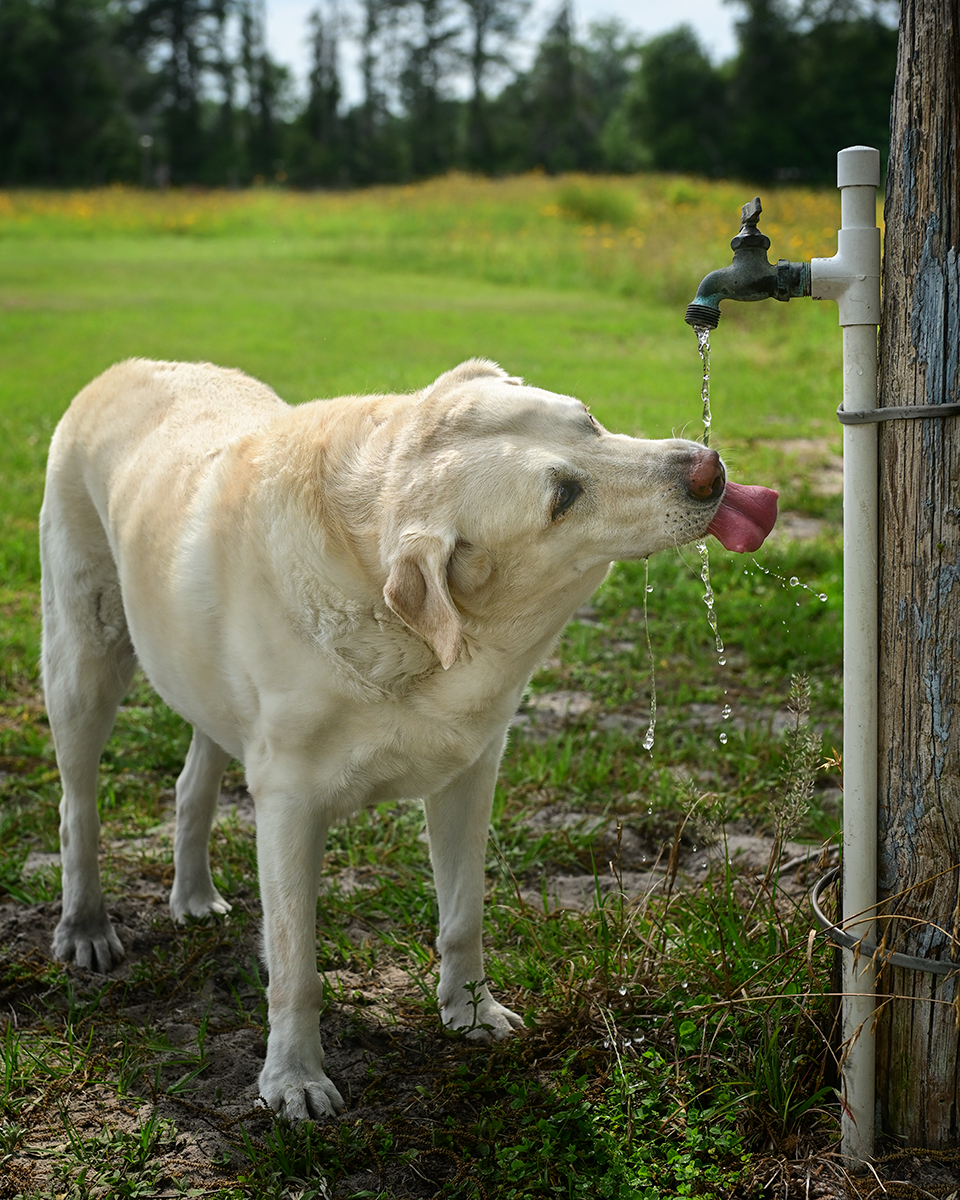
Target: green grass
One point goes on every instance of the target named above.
(678, 1045)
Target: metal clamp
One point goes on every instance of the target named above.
(908, 412)
(931, 965)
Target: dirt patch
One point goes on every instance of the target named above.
(822, 467)
(199, 1024)
(546, 714)
(798, 527)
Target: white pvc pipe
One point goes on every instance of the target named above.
(852, 278)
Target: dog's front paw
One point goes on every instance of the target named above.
(299, 1098)
(197, 903)
(90, 943)
(293, 1081)
(475, 1013)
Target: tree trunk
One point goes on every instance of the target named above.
(918, 1065)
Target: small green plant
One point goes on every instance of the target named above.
(288, 1156)
(673, 1142)
(117, 1162)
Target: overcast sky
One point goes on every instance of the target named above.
(712, 19)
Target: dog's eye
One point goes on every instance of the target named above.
(567, 492)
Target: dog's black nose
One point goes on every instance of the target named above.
(706, 478)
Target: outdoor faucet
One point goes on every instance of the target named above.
(750, 276)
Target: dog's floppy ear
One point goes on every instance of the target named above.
(473, 368)
(416, 590)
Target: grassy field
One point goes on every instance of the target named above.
(679, 1032)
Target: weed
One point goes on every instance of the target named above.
(115, 1162)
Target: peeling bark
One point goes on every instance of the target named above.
(918, 1066)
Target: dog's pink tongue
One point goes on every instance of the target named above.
(745, 517)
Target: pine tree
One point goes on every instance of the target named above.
(319, 148)
(491, 26)
(564, 129)
(430, 56)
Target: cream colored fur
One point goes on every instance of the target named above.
(348, 596)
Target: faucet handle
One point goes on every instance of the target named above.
(750, 213)
(750, 235)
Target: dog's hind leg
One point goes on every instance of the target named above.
(457, 824)
(88, 663)
(198, 789)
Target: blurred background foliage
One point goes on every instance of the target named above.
(185, 92)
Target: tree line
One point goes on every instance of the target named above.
(186, 92)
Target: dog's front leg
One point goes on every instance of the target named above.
(291, 835)
(457, 822)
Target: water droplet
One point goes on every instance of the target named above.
(622, 990)
(794, 580)
(822, 596)
(722, 661)
(723, 739)
(649, 588)
(727, 710)
(648, 738)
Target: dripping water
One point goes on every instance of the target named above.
(703, 345)
(708, 596)
(794, 581)
(648, 737)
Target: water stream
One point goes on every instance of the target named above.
(709, 599)
(703, 345)
(648, 737)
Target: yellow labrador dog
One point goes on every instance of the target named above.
(349, 596)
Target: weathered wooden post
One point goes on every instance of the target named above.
(918, 1064)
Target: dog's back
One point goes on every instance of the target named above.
(140, 412)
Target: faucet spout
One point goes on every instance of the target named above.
(750, 276)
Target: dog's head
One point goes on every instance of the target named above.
(495, 492)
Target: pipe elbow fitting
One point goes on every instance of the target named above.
(851, 277)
